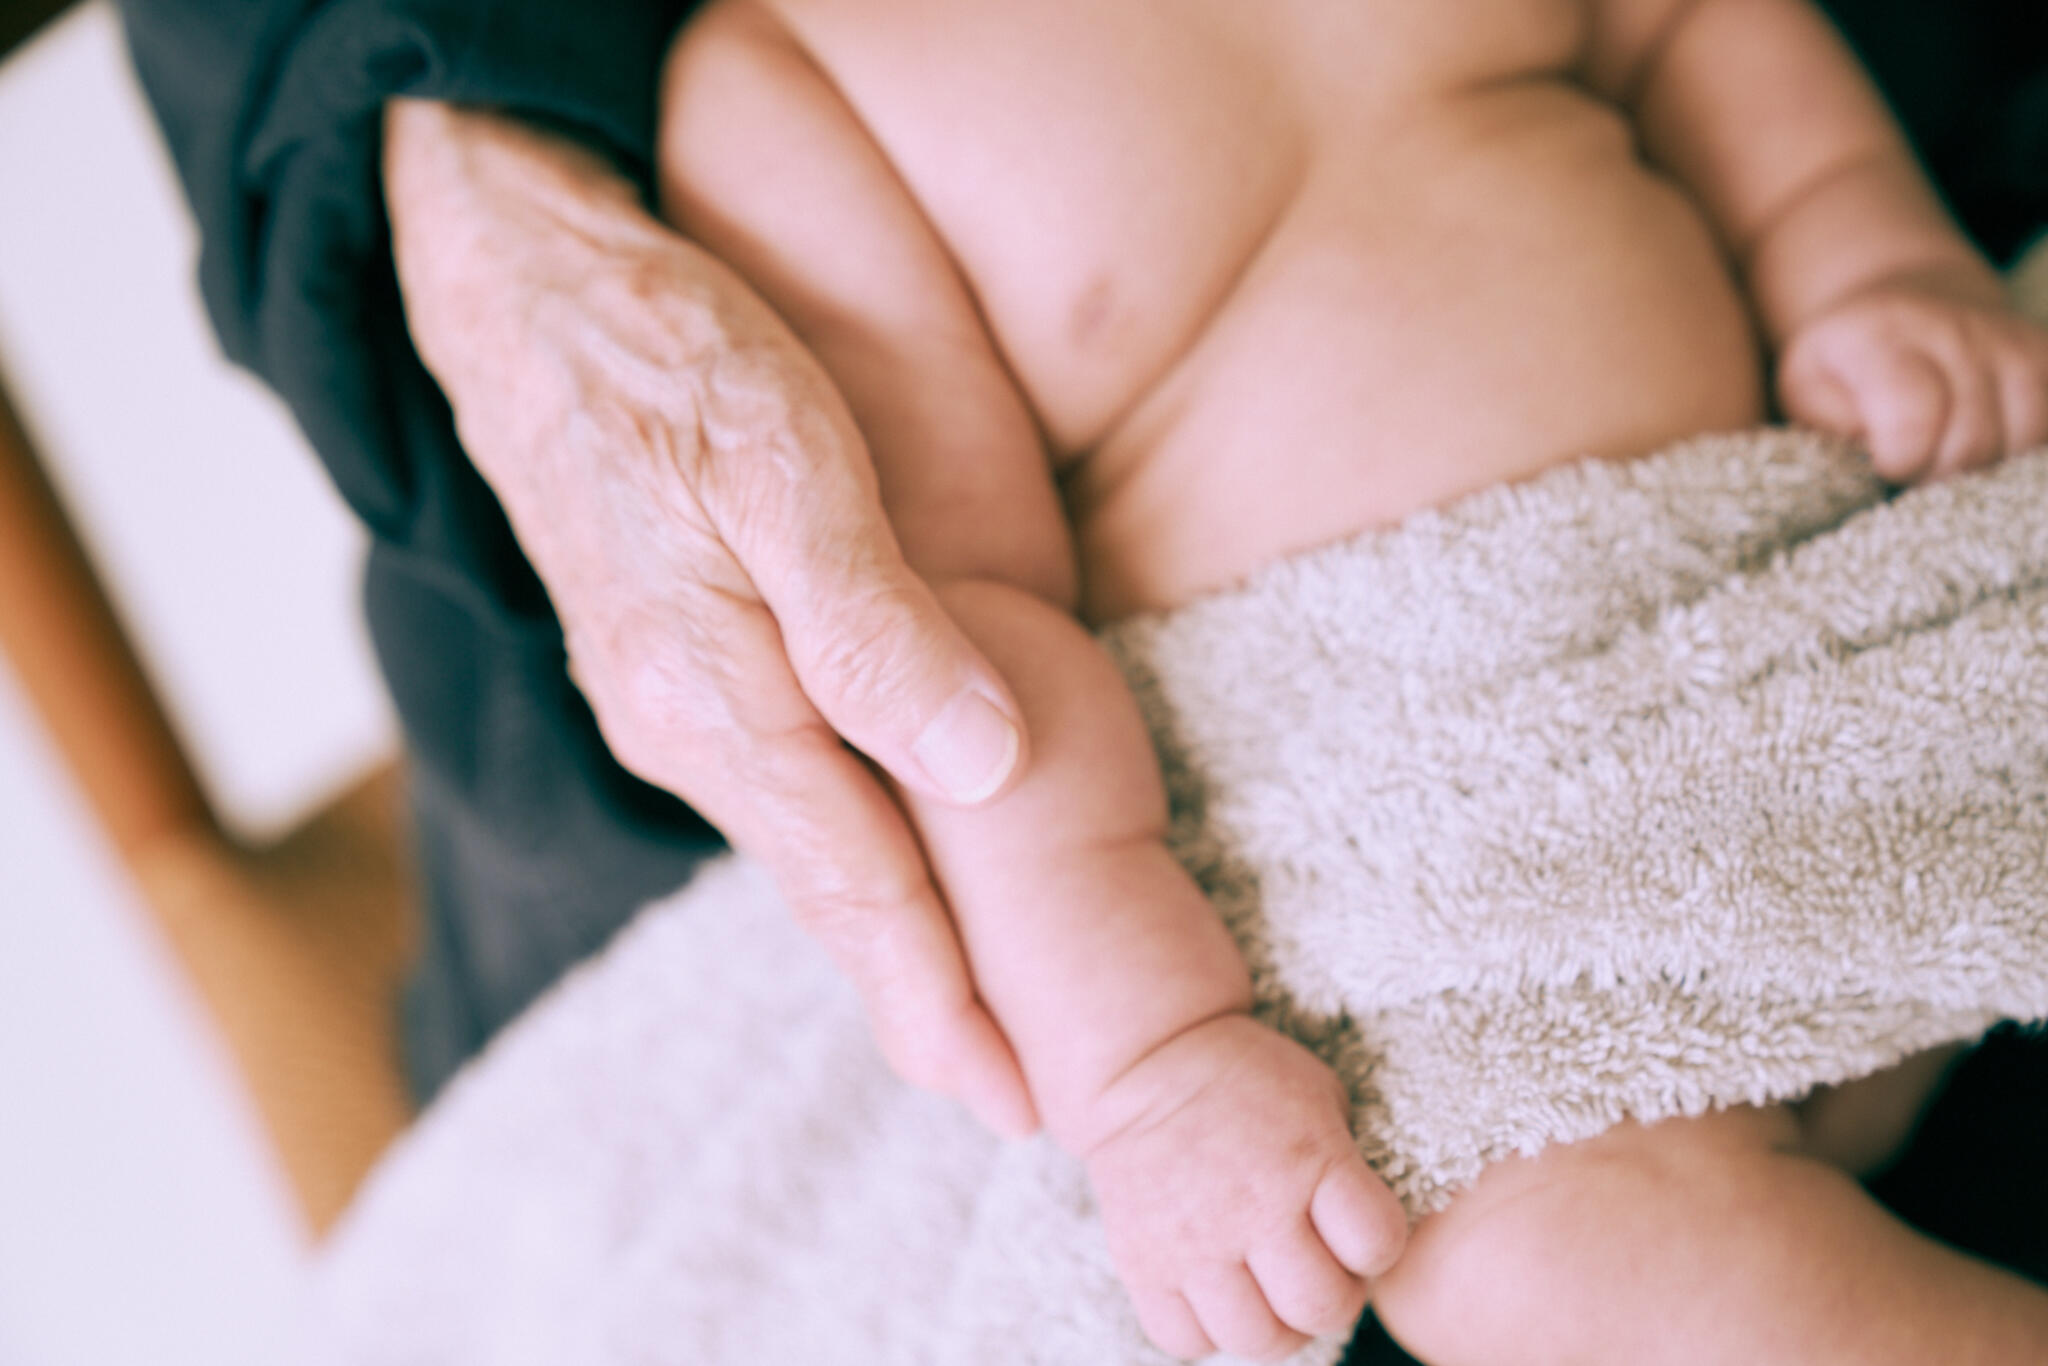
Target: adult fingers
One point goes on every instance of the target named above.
(876, 660)
(788, 483)
(893, 673)
(703, 702)
(874, 909)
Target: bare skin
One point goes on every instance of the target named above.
(1127, 299)
(731, 595)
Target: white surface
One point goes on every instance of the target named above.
(229, 553)
(140, 1221)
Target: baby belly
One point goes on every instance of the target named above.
(1405, 339)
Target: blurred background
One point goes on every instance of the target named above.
(142, 1216)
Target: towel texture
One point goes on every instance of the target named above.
(1632, 790)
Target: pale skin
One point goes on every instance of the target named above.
(1125, 300)
(731, 595)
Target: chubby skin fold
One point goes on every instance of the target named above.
(1127, 299)
(1674, 1244)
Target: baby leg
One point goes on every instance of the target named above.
(1711, 1240)
(1862, 1126)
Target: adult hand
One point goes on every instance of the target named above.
(696, 498)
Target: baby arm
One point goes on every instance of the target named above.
(1236, 1204)
(1887, 324)
(1221, 1154)
(1234, 1198)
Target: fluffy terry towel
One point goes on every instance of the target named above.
(1631, 790)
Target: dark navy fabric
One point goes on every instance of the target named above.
(1970, 82)
(535, 845)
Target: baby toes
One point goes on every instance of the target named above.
(1358, 1218)
(1304, 1285)
(1236, 1316)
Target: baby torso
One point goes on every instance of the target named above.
(1271, 271)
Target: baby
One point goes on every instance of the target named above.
(1129, 297)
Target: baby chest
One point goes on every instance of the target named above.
(1105, 172)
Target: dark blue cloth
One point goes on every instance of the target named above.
(535, 845)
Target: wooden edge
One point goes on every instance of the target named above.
(67, 645)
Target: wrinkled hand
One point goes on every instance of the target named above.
(1239, 1213)
(698, 502)
(1934, 375)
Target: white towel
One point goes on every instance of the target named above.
(1631, 790)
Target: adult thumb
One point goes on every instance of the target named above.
(792, 493)
(891, 671)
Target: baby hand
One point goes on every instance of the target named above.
(1239, 1212)
(1935, 377)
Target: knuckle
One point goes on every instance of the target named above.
(658, 718)
(745, 400)
(658, 723)
(687, 686)
(857, 918)
(836, 892)
(842, 923)
(769, 429)
(866, 655)
(651, 691)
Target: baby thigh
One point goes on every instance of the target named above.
(1708, 1240)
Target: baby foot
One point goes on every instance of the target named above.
(1240, 1215)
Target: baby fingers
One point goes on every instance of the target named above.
(1171, 1324)
(2023, 392)
(1304, 1285)
(1357, 1218)
(1933, 384)
(1234, 1313)
(1997, 371)
(1903, 396)
(1974, 433)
